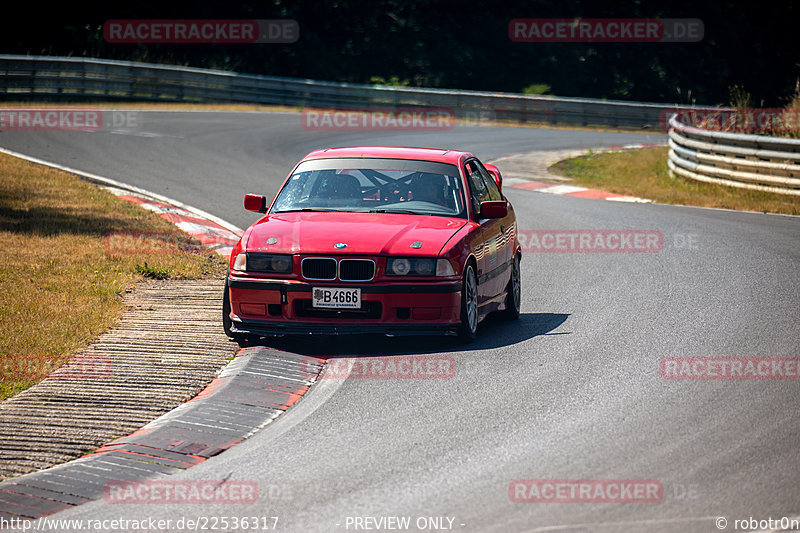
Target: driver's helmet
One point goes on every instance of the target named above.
(339, 189)
(428, 187)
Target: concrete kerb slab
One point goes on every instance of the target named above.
(180, 439)
(256, 387)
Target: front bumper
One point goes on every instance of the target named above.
(279, 329)
(269, 307)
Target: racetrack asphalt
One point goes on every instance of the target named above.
(570, 391)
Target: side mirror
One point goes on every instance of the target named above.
(255, 202)
(494, 209)
(495, 172)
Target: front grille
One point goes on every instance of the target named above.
(369, 310)
(323, 268)
(356, 269)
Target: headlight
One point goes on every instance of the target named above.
(268, 263)
(398, 267)
(425, 267)
(241, 262)
(411, 266)
(281, 263)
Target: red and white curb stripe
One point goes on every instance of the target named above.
(209, 233)
(210, 230)
(579, 192)
(569, 190)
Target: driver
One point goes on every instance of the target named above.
(339, 190)
(427, 187)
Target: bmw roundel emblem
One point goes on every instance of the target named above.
(340, 245)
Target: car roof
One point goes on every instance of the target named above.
(391, 152)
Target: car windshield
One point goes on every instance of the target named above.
(374, 186)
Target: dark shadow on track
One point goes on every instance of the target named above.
(493, 332)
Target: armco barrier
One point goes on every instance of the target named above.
(74, 79)
(756, 162)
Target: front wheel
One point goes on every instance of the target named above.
(513, 293)
(469, 306)
(226, 313)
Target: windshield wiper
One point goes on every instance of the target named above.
(399, 211)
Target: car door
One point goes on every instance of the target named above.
(487, 240)
(505, 247)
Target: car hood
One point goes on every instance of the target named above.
(364, 233)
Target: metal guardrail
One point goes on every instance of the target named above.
(64, 78)
(756, 162)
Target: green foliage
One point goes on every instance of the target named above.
(153, 272)
(537, 88)
(739, 97)
(393, 81)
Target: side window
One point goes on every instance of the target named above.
(482, 184)
(477, 186)
(491, 185)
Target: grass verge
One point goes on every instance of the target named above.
(60, 284)
(644, 173)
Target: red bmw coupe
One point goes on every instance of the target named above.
(393, 241)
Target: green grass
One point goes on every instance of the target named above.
(644, 173)
(61, 285)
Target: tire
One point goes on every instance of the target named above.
(226, 314)
(514, 290)
(469, 306)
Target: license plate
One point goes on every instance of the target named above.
(336, 298)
